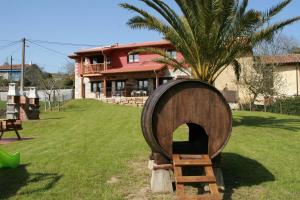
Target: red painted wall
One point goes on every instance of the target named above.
(119, 58)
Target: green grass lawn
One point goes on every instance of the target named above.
(93, 150)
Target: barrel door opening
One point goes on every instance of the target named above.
(196, 141)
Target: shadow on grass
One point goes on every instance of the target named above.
(12, 180)
(268, 122)
(240, 171)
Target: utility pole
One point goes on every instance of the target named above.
(22, 67)
(10, 76)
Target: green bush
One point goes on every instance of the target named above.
(283, 105)
(286, 105)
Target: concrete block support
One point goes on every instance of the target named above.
(161, 181)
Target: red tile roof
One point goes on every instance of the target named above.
(14, 67)
(123, 46)
(129, 69)
(280, 59)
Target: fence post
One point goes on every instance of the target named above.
(45, 102)
(280, 107)
(58, 101)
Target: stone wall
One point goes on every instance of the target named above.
(77, 83)
(129, 101)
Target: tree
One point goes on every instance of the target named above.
(296, 50)
(33, 75)
(50, 87)
(280, 44)
(3, 82)
(69, 79)
(210, 34)
(70, 69)
(261, 80)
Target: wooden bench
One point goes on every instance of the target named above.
(10, 125)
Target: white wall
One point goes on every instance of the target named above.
(77, 83)
(66, 94)
(288, 74)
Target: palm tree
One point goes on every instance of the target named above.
(210, 34)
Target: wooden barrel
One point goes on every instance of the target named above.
(199, 105)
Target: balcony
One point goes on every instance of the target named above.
(93, 68)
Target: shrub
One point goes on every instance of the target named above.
(286, 105)
(283, 105)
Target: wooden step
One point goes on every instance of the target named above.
(182, 160)
(195, 179)
(200, 197)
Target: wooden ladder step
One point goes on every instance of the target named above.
(181, 161)
(192, 162)
(200, 197)
(184, 160)
(195, 179)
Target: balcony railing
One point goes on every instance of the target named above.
(128, 91)
(93, 68)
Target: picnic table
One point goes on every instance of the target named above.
(10, 125)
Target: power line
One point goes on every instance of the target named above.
(65, 43)
(51, 50)
(47, 48)
(14, 51)
(9, 45)
(6, 40)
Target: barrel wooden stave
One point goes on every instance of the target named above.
(182, 102)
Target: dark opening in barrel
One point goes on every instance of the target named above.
(199, 105)
(196, 143)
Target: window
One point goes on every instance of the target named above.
(143, 84)
(97, 59)
(86, 60)
(100, 86)
(172, 53)
(96, 86)
(108, 60)
(133, 58)
(164, 80)
(120, 85)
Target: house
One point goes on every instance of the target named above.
(113, 71)
(12, 73)
(288, 67)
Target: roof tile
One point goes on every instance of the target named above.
(280, 59)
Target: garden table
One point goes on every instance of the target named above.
(10, 125)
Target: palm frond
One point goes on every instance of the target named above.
(210, 34)
(268, 32)
(275, 10)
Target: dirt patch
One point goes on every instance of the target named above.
(140, 184)
(113, 180)
(11, 140)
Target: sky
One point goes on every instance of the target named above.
(92, 22)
